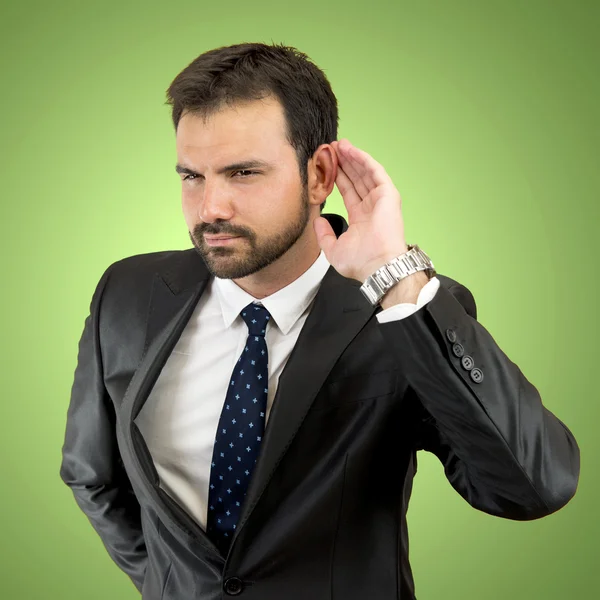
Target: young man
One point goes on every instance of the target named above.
(246, 413)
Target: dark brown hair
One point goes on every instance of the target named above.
(252, 71)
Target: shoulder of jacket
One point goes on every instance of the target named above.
(151, 261)
(446, 281)
(133, 273)
(461, 292)
(148, 263)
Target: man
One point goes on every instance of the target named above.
(245, 414)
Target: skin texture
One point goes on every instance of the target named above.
(267, 206)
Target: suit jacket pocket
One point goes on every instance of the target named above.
(357, 388)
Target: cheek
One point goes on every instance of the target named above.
(282, 197)
(188, 207)
(186, 202)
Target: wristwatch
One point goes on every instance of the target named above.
(377, 284)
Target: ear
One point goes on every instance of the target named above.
(322, 172)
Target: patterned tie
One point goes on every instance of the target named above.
(240, 430)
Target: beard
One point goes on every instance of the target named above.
(251, 254)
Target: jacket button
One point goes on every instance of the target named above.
(451, 335)
(458, 349)
(476, 375)
(467, 362)
(233, 586)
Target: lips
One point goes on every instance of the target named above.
(221, 240)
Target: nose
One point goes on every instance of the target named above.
(215, 202)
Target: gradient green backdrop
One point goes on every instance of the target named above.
(486, 117)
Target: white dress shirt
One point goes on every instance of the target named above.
(180, 417)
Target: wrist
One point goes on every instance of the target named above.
(384, 259)
(405, 291)
(400, 275)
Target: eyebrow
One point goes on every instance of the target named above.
(240, 166)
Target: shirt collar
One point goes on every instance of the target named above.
(285, 305)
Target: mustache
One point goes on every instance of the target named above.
(201, 230)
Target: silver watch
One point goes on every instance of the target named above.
(377, 284)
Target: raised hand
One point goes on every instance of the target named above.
(375, 232)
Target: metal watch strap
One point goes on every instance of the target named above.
(377, 284)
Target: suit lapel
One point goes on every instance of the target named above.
(338, 314)
(174, 296)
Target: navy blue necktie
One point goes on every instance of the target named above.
(240, 430)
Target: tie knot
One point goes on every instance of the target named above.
(256, 317)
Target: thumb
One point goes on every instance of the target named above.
(326, 237)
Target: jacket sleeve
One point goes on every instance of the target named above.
(91, 463)
(502, 450)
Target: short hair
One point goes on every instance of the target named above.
(252, 71)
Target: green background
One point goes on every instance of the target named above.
(486, 117)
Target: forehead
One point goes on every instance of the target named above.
(255, 127)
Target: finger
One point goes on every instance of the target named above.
(349, 194)
(366, 166)
(355, 164)
(362, 187)
(360, 169)
(348, 185)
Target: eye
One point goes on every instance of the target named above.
(189, 177)
(247, 173)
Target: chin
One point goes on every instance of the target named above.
(226, 266)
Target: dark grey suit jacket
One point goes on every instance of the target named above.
(325, 514)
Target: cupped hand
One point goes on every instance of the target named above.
(375, 231)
